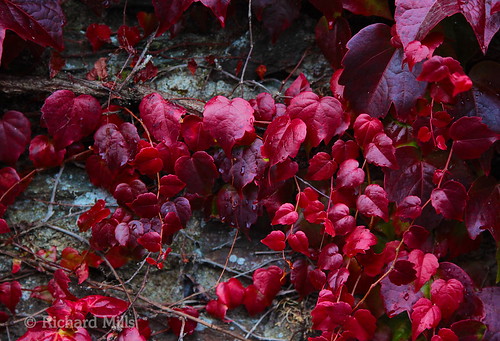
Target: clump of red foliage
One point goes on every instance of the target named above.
(397, 179)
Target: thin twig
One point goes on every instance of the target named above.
(50, 209)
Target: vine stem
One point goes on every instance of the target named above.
(381, 277)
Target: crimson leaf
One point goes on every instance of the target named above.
(198, 172)
(381, 152)
(365, 129)
(231, 293)
(482, 207)
(471, 138)
(361, 325)
(102, 306)
(275, 241)
(349, 174)
(374, 76)
(450, 200)
(169, 12)
(283, 138)
(40, 21)
(44, 154)
(327, 316)
(332, 42)
(324, 117)
(285, 215)
(425, 315)
(69, 118)
(425, 264)
(116, 145)
(374, 202)
(10, 294)
(358, 241)
(447, 295)
(417, 18)
(161, 117)
(15, 132)
(321, 167)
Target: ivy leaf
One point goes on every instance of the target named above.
(268, 281)
(283, 138)
(146, 205)
(330, 258)
(246, 165)
(398, 298)
(15, 132)
(277, 15)
(194, 133)
(324, 117)
(374, 202)
(381, 152)
(321, 167)
(471, 138)
(361, 325)
(10, 295)
(403, 272)
(299, 242)
(231, 293)
(4, 228)
(238, 209)
(358, 241)
(409, 208)
(489, 297)
(374, 76)
(425, 315)
(447, 295)
(343, 222)
(98, 35)
(102, 306)
(425, 264)
(169, 12)
(162, 118)
(482, 207)
(43, 153)
(450, 200)
(327, 316)
(332, 42)
(116, 145)
(417, 18)
(218, 7)
(170, 185)
(95, 214)
(285, 215)
(300, 84)
(39, 21)
(69, 118)
(198, 172)
(299, 277)
(365, 129)
(151, 241)
(349, 174)
(228, 121)
(275, 241)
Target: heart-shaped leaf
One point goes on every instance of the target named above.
(450, 200)
(358, 241)
(425, 315)
(116, 145)
(69, 118)
(447, 295)
(286, 215)
(349, 174)
(381, 152)
(275, 240)
(374, 202)
(426, 265)
(198, 172)
(15, 132)
(471, 138)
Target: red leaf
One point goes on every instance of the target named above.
(327, 316)
(425, 264)
(324, 117)
(450, 200)
(148, 161)
(445, 334)
(99, 72)
(490, 297)
(128, 37)
(254, 301)
(300, 84)
(275, 241)
(299, 242)
(332, 42)
(186, 325)
(38, 21)
(170, 185)
(276, 15)
(343, 222)
(15, 132)
(471, 138)
(365, 129)
(374, 75)
(416, 51)
(148, 22)
(482, 207)
(194, 133)
(381, 152)
(330, 258)
(44, 154)
(10, 295)
(162, 118)
(151, 241)
(425, 315)
(264, 106)
(56, 63)
(374, 202)
(116, 145)
(231, 293)
(228, 121)
(125, 193)
(409, 208)
(398, 299)
(368, 8)
(146, 205)
(239, 209)
(130, 334)
(10, 186)
(217, 309)
(299, 277)
(349, 174)
(283, 138)
(261, 71)
(286, 215)
(358, 241)
(98, 35)
(69, 118)
(416, 19)
(198, 172)
(4, 228)
(403, 272)
(96, 214)
(342, 151)
(268, 281)
(102, 306)
(321, 167)
(447, 295)
(245, 165)
(361, 325)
